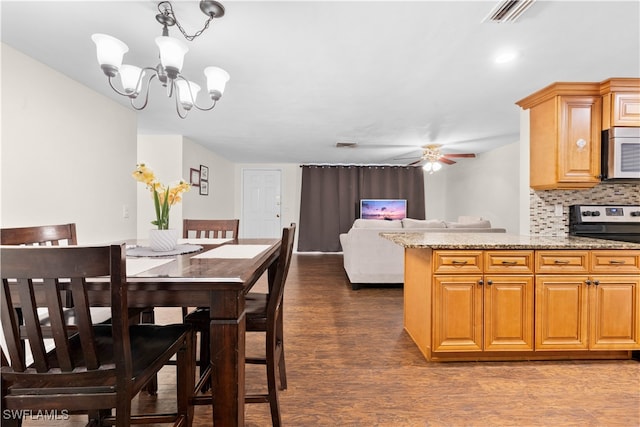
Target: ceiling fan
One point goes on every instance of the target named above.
(432, 157)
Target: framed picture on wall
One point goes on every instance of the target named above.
(204, 188)
(204, 173)
(194, 177)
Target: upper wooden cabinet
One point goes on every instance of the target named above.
(620, 102)
(565, 128)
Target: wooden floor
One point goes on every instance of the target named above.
(349, 363)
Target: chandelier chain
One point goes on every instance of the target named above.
(166, 9)
(188, 37)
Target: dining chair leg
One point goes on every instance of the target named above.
(272, 385)
(205, 360)
(281, 363)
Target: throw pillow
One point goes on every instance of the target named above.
(376, 223)
(479, 224)
(422, 223)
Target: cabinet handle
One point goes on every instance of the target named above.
(509, 262)
(616, 261)
(455, 262)
(489, 282)
(480, 282)
(561, 261)
(588, 282)
(596, 282)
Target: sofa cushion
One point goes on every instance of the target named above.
(422, 223)
(478, 224)
(376, 223)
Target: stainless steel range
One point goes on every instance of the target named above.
(611, 222)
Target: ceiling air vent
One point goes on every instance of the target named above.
(346, 144)
(508, 10)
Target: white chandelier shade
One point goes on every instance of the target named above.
(187, 92)
(110, 52)
(217, 79)
(172, 53)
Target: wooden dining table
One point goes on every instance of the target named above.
(217, 282)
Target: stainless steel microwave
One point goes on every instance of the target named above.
(621, 153)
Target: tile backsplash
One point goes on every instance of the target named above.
(542, 206)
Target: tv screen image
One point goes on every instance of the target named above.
(383, 209)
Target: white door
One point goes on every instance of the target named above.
(261, 203)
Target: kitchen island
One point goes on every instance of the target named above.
(510, 297)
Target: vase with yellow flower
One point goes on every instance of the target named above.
(162, 238)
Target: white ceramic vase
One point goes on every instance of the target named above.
(163, 240)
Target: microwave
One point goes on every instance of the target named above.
(621, 153)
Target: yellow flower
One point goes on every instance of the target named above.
(163, 197)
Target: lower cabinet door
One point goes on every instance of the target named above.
(457, 313)
(508, 313)
(615, 313)
(561, 312)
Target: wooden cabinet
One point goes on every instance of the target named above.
(565, 133)
(522, 304)
(595, 311)
(492, 311)
(620, 102)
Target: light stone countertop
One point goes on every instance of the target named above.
(500, 241)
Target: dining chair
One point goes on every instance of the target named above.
(210, 228)
(264, 313)
(65, 234)
(97, 367)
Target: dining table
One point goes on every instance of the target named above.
(213, 273)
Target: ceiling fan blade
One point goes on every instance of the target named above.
(407, 158)
(459, 155)
(445, 160)
(417, 162)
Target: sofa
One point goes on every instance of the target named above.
(371, 259)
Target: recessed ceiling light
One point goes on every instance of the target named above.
(506, 56)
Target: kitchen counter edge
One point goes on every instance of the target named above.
(501, 241)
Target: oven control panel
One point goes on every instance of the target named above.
(604, 213)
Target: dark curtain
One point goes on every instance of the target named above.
(330, 200)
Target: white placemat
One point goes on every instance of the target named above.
(205, 241)
(234, 251)
(138, 265)
(145, 251)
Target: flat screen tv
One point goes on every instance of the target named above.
(383, 209)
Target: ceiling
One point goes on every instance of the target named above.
(389, 75)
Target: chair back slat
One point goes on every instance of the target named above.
(58, 326)
(42, 235)
(29, 307)
(211, 228)
(10, 328)
(84, 323)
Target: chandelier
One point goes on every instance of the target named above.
(135, 81)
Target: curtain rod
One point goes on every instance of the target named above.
(333, 165)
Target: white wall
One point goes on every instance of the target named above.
(219, 204)
(64, 150)
(487, 186)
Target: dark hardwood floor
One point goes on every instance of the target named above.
(349, 363)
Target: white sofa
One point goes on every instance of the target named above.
(369, 258)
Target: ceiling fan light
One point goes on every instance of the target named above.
(217, 79)
(110, 51)
(436, 166)
(428, 166)
(172, 53)
(187, 98)
(131, 77)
